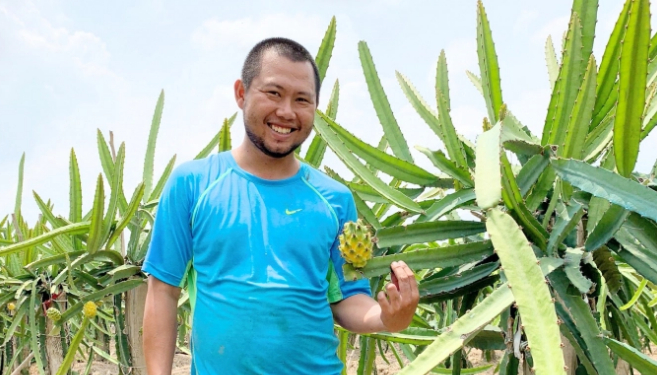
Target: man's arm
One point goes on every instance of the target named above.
(393, 312)
(160, 326)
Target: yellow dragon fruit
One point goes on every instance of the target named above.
(89, 309)
(356, 243)
(54, 314)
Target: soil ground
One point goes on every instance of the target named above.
(181, 363)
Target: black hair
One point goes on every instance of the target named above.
(284, 47)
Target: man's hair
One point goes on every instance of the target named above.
(284, 47)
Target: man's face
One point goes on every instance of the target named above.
(279, 106)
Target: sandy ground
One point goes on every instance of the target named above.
(182, 364)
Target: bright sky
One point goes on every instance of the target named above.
(70, 67)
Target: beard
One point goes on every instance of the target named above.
(259, 142)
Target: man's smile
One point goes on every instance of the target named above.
(280, 129)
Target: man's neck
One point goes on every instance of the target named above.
(254, 161)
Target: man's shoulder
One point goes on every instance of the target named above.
(201, 169)
(320, 179)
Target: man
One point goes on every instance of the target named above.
(255, 232)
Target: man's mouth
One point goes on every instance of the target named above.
(280, 129)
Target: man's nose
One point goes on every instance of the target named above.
(285, 110)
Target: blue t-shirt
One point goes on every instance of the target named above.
(262, 261)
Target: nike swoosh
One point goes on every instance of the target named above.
(288, 212)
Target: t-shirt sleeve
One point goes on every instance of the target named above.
(339, 288)
(170, 250)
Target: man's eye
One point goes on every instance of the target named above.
(275, 93)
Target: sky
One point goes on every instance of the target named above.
(68, 68)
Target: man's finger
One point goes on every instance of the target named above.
(401, 271)
(383, 302)
(393, 296)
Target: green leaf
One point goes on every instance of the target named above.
(55, 259)
(391, 129)
(514, 201)
(426, 232)
(488, 176)
(47, 213)
(75, 192)
(96, 231)
(120, 337)
(363, 209)
(315, 153)
(430, 289)
(325, 50)
(34, 331)
(397, 198)
(531, 171)
(95, 296)
(573, 259)
(643, 260)
(371, 195)
(636, 296)
(157, 191)
(216, 141)
(332, 106)
(530, 291)
(73, 348)
(75, 228)
(606, 227)
(150, 147)
(116, 186)
(420, 105)
(127, 215)
(632, 86)
(608, 71)
(587, 10)
(653, 47)
(111, 256)
(19, 189)
(578, 126)
(426, 258)
(566, 88)
(381, 161)
(541, 189)
(441, 162)
(488, 65)
(442, 78)
(106, 160)
(551, 61)
(476, 81)
(634, 358)
(576, 315)
(643, 230)
(462, 330)
(598, 139)
(224, 137)
(608, 185)
(452, 144)
(567, 220)
(650, 113)
(448, 204)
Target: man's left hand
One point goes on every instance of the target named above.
(398, 302)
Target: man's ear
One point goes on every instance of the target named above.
(239, 93)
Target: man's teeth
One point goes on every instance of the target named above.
(279, 129)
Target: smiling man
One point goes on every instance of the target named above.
(254, 232)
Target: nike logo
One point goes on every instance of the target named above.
(288, 212)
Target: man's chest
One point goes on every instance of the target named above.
(272, 232)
